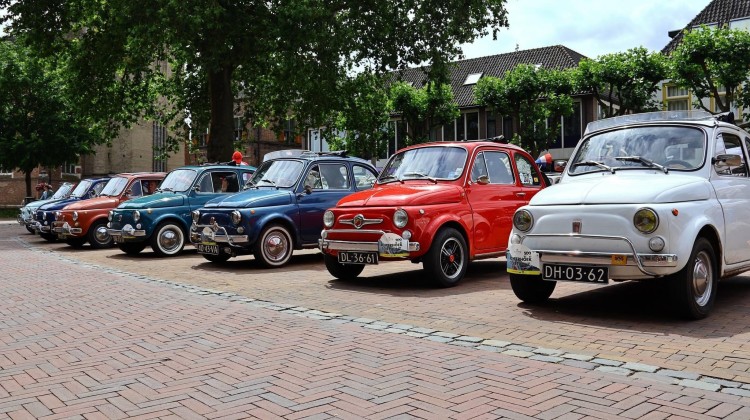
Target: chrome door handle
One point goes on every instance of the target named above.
(521, 194)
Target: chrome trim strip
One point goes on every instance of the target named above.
(223, 237)
(381, 232)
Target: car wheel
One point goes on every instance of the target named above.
(274, 246)
(98, 236)
(76, 242)
(342, 271)
(217, 258)
(447, 258)
(132, 248)
(167, 240)
(32, 231)
(694, 287)
(531, 289)
(49, 237)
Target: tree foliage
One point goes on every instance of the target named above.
(422, 109)
(624, 82)
(38, 121)
(535, 98)
(710, 58)
(273, 60)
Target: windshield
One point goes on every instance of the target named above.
(664, 148)
(81, 188)
(277, 173)
(432, 163)
(114, 186)
(63, 191)
(178, 180)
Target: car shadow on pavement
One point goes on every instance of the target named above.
(646, 306)
(246, 264)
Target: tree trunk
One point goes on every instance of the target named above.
(221, 130)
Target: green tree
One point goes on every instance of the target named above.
(422, 109)
(626, 79)
(535, 98)
(38, 124)
(274, 60)
(710, 58)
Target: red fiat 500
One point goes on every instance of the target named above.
(442, 204)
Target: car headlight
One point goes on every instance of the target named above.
(75, 216)
(400, 218)
(236, 217)
(136, 216)
(646, 220)
(328, 219)
(110, 215)
(196, 216)
(58, 214)
(523, 220)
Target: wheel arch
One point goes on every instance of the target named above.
(279, 219)
(712, 235)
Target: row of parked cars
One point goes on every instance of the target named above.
(645, 196)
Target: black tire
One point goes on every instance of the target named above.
(694, 287)
(221, 258)
(98, 236)
(49, 237)
(531, 289)
(447, 258)
(342, 271)
(274, 246)
(132, 248)
(31, 231)
(76, 242)
(168, 239)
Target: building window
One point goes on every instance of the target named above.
(472, 126)
(676, 98)
(508, 128)
(159, 134)
(571, 128)
(491, 125)
(71, 168)
(461, 128)
(449, 132)
(743, 23)
(472, 78)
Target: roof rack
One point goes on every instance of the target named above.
(338, 153)
(497, 139)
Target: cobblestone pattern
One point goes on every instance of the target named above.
(81, 341)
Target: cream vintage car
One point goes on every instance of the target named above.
(644, 196)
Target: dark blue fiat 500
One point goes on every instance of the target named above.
(282, 210)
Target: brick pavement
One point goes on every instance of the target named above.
(78, 342)
(625, 322)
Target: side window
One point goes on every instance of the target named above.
(333, 176)
(97, 189)
(727, 143)
(498, 168)
(246, 177)
(363, 177)
(225, 182)
(312, 179)
(479, 168)
(205, 185)
(527, 171)
(135, 189)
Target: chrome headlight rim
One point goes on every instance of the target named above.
(400, 218)
(196, 216)
(646, 220)
(328, 219)
(110, 215)
(75, 216)
(136, 216)
(236, 217)
(58, 214)
(523, 220)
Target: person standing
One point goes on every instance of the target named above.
(237, 159)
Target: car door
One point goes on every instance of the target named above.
(329, 182)
(732, 186)
(213, 183)
(493, 194)
(529, 177)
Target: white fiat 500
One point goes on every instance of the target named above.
(643, 196)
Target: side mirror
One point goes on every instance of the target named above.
(559, 165)
(723, 161)
(483, 180)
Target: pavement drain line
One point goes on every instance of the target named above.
(616, 367)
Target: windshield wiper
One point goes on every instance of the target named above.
(594, 163)
(392, 177)
(268, 180)
(644, 161)
(164, 189)
(421, 175)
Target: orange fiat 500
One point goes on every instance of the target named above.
(86, 220)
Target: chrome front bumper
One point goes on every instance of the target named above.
(216, 234)
(634, 259)
(127, 231)
(328, 244)
(67, 230)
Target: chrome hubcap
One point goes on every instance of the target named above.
(701, 279)
(451, 258)
(169, 240)
(101, 234)
(276, 246)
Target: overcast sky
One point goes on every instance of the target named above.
(589, 27)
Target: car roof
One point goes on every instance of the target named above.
(140, 174)
(216, 165)
(695, 116)
(340, 155)
(469, 145)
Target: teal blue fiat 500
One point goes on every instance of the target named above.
(162, 219)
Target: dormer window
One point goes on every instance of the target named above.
(472, 79)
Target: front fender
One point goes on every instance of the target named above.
(462, 218)
(259, 222)
(182, 220)
(686, 226)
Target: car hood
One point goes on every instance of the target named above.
(621, 188)
(34, 205)
(254, 198)
(58, 204)
(105, 202)
(394, 194)
(155, 201)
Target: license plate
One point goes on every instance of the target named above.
(211, 249)
(580, 273)
(354, 257)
